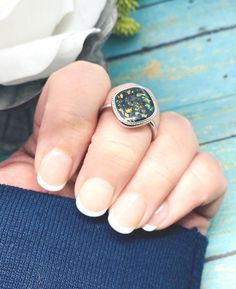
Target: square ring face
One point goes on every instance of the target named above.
(134, 106)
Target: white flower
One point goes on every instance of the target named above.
(38, 37)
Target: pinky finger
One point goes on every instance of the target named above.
(196, 197)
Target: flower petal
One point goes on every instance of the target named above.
(40, 58)
(6, 7)
(26, 20)
(84, 16)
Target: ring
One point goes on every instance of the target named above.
(135, 106)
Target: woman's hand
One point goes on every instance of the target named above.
(108, 166)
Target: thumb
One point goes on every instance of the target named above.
(18, 170)
(65, 120)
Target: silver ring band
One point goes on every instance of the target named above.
(135, 106)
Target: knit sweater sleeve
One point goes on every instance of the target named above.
(45, 243)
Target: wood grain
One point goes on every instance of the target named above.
(185, 73)
(220, 274)
(172, 21)
(222, 233)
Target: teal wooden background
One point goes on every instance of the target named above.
(186, 53)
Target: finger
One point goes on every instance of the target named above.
(18, 171)
(112, 158)
(193, 220)
(21, 164)
(67, 121)
(202, 186)
(162, 166)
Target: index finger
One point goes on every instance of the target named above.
(66, 118)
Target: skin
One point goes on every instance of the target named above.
(158, 182)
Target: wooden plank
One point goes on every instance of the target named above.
(213, 119)
(220, 274)
(222, 233)
(182, 74)
(152, 2)
(171, 21)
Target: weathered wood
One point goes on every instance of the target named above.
(220, 274)
(172, 21)
(152, 2)
(182, 74)
(222, 234)
(213, 119)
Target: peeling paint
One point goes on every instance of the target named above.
(153, 69)
(176, 73)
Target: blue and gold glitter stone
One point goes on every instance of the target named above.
(134, 104)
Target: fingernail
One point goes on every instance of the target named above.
(156, 219)
(54, 170)
(149, 228)
(94, 197)
(127, 213)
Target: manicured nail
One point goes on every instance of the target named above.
(149, 228)
(54, 170)
(156, 219)
(94, 197)
(127, 213)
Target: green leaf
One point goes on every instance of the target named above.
(126, 26)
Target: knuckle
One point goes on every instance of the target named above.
(162, 172)
(92, 69)
(179, 119)
(87, 66)
(115, 153)
(121, 155)
(75, 122)
(180, 129)
(74, 71)
(208, 167)
(209, 162)
(216, 170)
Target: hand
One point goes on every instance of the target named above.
(108, 166)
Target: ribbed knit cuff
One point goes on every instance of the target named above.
(45, 243)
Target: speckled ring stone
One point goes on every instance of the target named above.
(135, 106)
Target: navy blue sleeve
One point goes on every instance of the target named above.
(45, 243)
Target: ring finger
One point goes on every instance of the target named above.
(112, 158)
(161, 168)
(201, 188)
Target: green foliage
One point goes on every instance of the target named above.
(126, 26)
(126, 6)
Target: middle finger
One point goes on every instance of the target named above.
(112, 158)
